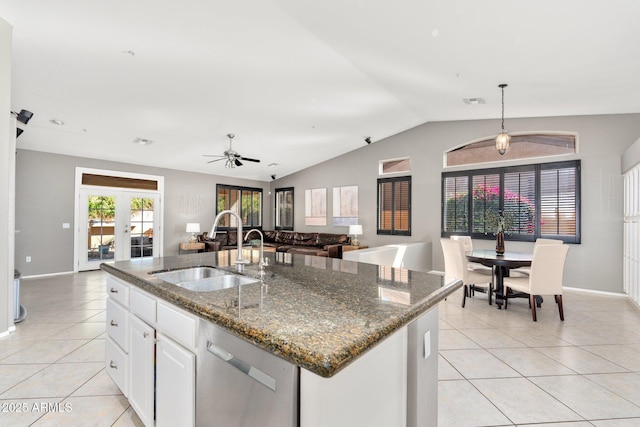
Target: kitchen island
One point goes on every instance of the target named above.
(356, 333)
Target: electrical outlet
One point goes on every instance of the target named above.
(28, 259)
(427, 344)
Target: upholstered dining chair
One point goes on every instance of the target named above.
(547, 268)
(455, 265)
(527, 270)
(467, 245)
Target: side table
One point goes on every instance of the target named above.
(347, 248)
(190, 247)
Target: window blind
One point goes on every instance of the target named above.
(394, 206)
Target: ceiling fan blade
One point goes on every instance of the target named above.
(250, 160)
(237, 162)
(216, 160)
(212, 155)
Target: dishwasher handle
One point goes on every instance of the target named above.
(255, 373)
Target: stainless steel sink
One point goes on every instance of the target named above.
(203, 279)
(188, 274)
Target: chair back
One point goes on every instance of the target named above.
(467, 244)
(455, 261)
(548, 242)
(547, 268)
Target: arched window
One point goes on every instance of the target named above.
(523, 146)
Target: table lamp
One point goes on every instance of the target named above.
(193, 228)
(355, 230)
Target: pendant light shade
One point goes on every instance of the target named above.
(503, 139)
(502, 142)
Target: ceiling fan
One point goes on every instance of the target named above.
(232, 157)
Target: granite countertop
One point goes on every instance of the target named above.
(318, 313)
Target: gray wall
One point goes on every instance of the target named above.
(631, 157)
(595, 264)
(45, 186)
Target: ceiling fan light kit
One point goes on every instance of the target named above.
(232, 158)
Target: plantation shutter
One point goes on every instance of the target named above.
(559, 201)
(385, 206)
(486, 197)
(520, 201)
(456, 204)
(394, 206)
(401, 206)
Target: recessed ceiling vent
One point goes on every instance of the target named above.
(474, 101)
(143, 141)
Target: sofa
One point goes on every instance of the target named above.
(318, 244)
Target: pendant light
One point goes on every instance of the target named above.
(502, 141)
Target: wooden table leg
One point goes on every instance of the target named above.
(500, 273)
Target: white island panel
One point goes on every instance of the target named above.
(371, 391)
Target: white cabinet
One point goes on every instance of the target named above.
(176, 385)
(117, 365)
(118, 324)
(117, 342)
(150, 355)
(141, 365)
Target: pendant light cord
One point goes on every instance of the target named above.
(502, 86)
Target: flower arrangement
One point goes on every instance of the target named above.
(499, 221)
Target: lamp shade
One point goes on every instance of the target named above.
(356, 229)
(193, 227)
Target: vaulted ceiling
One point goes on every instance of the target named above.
(298, 81)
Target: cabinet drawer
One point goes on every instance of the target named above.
(116, 365)
(178, 325)
(118, 290)
(142, 305)
(118, 324)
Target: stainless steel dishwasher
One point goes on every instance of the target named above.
(241, 385)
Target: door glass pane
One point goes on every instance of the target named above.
(100, 231)
(141, 227)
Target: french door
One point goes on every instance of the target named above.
(117, 225)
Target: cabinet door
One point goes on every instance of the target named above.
(175, 384)
(117, 365)
(142, 368)
(118, 324)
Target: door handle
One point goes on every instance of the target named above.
(252, 371)
(113, 365)
(114, 323)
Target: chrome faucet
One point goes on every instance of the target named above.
(240, 262)
(261, 264)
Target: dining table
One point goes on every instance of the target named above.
(501, 265)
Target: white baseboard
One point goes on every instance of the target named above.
(34, 276)
(589, 291)
(592, 291)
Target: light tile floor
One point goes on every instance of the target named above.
(52, 367)
(497, 368)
